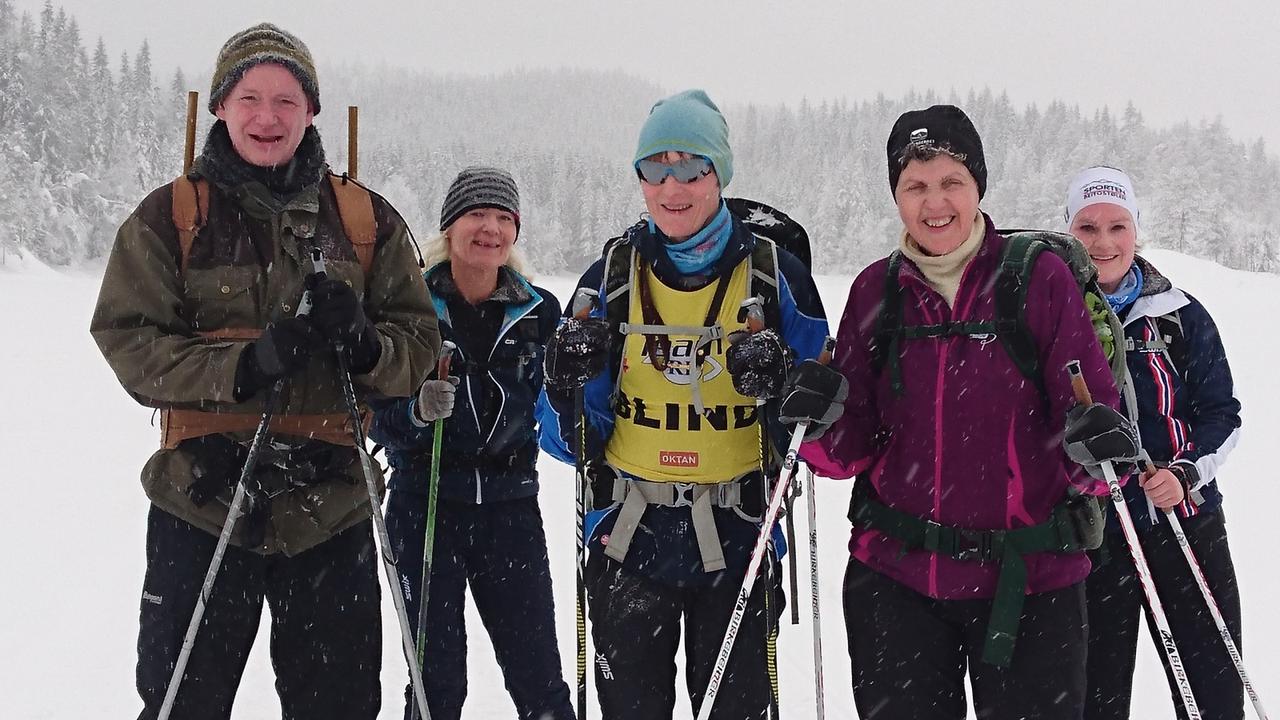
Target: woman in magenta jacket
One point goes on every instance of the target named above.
(960, 457)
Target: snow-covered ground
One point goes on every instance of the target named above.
(73, 521)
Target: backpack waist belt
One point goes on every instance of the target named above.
(177, 424)
(636, 495)
(1060, 534)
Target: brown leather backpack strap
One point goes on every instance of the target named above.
(355, 207)
(190, 210)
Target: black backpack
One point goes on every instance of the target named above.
(772, 228)
(1021, 249)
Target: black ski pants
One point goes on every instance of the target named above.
(326, 633)
(635, 625)
(1116, 600)
(499, 549)
(909, 654)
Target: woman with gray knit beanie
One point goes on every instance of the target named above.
(488, 528)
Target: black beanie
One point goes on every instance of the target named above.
(480, 187)
(942, 126)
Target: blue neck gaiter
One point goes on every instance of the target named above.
(700, 252)
(1130, 287)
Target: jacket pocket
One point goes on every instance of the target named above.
(220, 298)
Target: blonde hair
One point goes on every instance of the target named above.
(436, 251)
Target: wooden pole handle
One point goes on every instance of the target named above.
(353, 141)
(189, 149)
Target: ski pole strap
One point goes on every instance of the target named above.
(1063, 532)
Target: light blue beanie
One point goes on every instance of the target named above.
(688, 122)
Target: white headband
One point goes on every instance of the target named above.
(1100, 184)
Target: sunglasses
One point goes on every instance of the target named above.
(685, 170)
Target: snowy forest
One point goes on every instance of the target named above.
(86, 133)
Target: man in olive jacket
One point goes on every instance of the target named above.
(198, 319)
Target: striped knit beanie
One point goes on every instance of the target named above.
(480, 187)
(263, 43)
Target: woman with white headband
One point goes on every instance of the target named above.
(1180, 393)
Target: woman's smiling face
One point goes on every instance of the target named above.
(1110, 235)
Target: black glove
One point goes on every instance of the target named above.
(216, 464)
(338, 315)
(284, 348)
(1187, 473)
(758, 363)
(577, 352)
(814, 393)
(1096, 434)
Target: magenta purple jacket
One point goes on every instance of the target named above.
(970, 442)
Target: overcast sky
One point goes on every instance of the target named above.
(1175, 60)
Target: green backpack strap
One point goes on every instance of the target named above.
(886, 343)
(1021, 250)
(1013, 280)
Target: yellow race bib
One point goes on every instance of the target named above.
(659, 434)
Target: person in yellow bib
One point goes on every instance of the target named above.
(680, 362)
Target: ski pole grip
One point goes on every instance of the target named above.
(583, 300)
(754, 314)
(446, 356)
(828, 350)
(317, 274)
(1078, 386)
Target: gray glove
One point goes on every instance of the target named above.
(434, 401)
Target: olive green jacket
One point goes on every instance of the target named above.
(247, 268)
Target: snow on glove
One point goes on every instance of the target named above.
(434, 401)
(814, 393)
(758, 363)
(339, 316)
(1096, 434)
(216, 464)
(284, 348)
(577, 352)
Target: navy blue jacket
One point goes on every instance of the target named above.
(666, 548)
(1184, 413)
(489, 455)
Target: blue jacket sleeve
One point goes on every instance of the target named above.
(804, 321)
(555, 411)
(1214, 409)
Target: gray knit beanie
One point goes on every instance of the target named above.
(480, 187)
(263, 43)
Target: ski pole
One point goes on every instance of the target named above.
(375, 508)
(753, 309)
(1212, 604)
(792, 573)
(1083, 397)
(433, 487)
(224, 538)
(813, 594)
(583, 301)
(757, 555)
(1215, 612)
